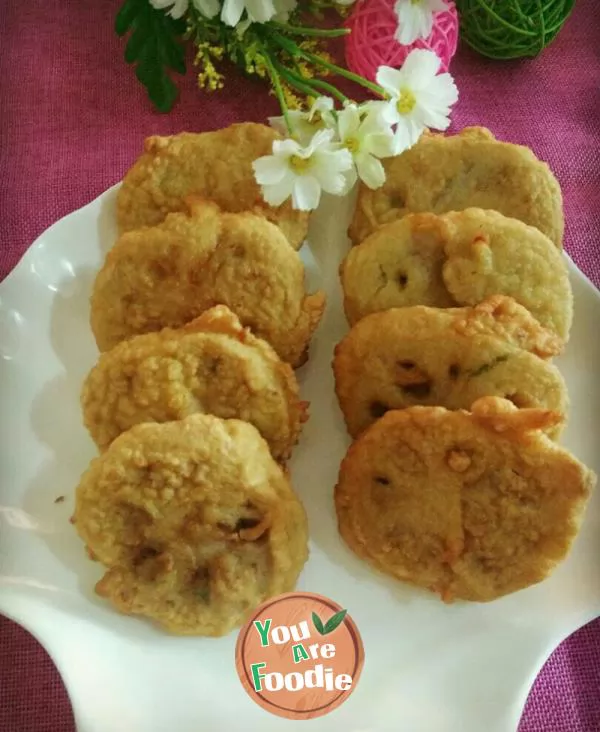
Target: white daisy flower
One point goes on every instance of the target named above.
(419, 97)
(208, 8)
(258, 11)
(178, 7)
(305, 124)
(367, 137)
(302, 172)
(415, 19)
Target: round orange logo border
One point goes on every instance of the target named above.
(243, 666)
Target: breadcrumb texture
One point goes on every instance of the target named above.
(194, 521)
(214, 165)
(472, 506)
(166, 275)
(454, 172)
(403, 357)
(458, 258)
(212, 365)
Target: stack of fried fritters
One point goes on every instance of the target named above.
(458, 297)
(201, 314)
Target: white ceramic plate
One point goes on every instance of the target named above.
(428, 667)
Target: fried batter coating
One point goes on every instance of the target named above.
(407, 356)
(166, 275)
(453, 172)
(458, 258)
(471, 505)
(213, 165)
(212, 365)
(194, 521)
(487, 253)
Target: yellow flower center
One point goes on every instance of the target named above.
(298, 164)
(416, 2)
(406, 102)
(316, 119)
(352, 144)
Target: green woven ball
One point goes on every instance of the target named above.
(511, 28)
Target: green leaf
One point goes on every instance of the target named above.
(135, 44)
(162, 93)
(173, 55)
(334, 621)
(126, 16)
(318, 624)
(153, 47)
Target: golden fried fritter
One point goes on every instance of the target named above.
(212, 366)
(487, 253)
(166, 275)
(213, 165)
(453, 172)
(458, 258)
(469, 505)
(419, 355)
(194, 521)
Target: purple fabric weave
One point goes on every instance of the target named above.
(72, 119)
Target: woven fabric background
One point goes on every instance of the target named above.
(72, 119)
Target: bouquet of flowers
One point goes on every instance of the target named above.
(330, 141)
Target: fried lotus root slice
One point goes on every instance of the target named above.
(194, 521)
(471, 505)
(214, 165)
(488, 254)
(407, 356)
(398, 265)
(166, 275)
(212, 365)
(453, 172)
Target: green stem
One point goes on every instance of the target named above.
(294, 80)
(295, 50)
(278, 90)
(297, 30)
(310, 85)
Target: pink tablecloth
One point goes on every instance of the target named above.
(72, 119)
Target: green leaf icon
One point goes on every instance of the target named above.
(318, 624)
(334, 621)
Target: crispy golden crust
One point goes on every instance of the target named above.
(458, 258)
(166, 275)
(468, 505)
(194, 521)
(407, 356)
(450, 173)
(212, 365)
(487, 253)
(398, 265)
(214, 165)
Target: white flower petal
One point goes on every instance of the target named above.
(260, 10)
(412, 21)
(208, 8)
(370, 171)
(390, 79)
(232, 11)
(407, 134)
(348, 122)
(329, 168)
(306, 193)
(276, 194)
(380, 144)
(420, 67)
(350, 178)
(441, 91)
(288, 147)
(269, 169)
